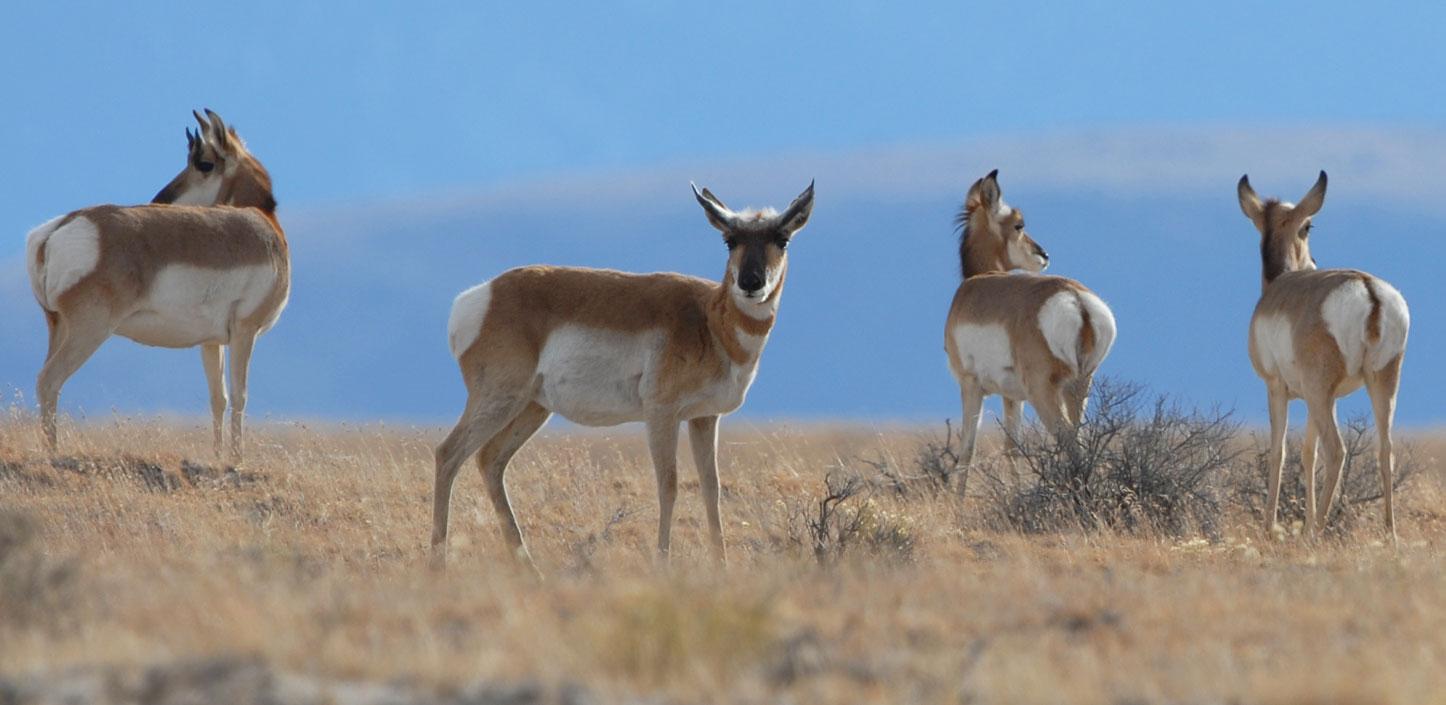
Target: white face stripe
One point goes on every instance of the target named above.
(202, 195)
(469, 311)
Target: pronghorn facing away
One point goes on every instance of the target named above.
(173, 276)
(1318, 335)
(602, 348)
(1026, 337)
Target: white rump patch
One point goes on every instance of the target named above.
(469, 309)
(71, 252)
(1345, 311)
(1395, 324)
(1060, 321)
(986, 355)
(1102, 320)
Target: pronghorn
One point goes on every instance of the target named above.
(177, 276)
(602, 347)
(1318, 335)
(1026, 337)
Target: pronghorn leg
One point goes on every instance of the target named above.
(703, 439)
(492, 461)
(1310, 443)
(77, 337)
(1013, 410)
(1049, 404)
(484, 417)
(1323, 415)
(213, 360)
(52, 327)
(1307, 472)
(241, 346)
(1382, 387)
(1077, 397)
(1279, 409)
(971, 394)
(663, 442)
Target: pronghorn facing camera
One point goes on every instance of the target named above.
(1023, 336)
(1319, 334)
(602, 347)
(173, 276)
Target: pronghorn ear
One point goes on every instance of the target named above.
(798, 212)
(984, 193)
(718, 214)
(1314, 198)
(1249, 202)
(219, 135)
(190, 141)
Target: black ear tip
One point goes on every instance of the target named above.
(993, 174)
(1322, 175)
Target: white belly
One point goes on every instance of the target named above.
(985, 355)
(188, 306)
(1274, 352)
(595, 377)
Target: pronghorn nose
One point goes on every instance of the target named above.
(750, 281)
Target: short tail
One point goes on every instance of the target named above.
(1387, 326)
(35, 254)
(1097, 329)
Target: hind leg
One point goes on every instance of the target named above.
(1049, 405)
(492, 463)
(74, 337)
(485, 416)
(1382, 386)
(241, 346)
(1077, 397)
(971, 395)
(213, 361)
(1333, 455)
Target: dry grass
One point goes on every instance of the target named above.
(312, 559)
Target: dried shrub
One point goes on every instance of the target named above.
(847, 521)
(1360, 486)
(1132, 466)
(938, 468)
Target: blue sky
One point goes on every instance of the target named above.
(411, 107)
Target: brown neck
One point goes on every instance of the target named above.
(726, 321)
(979, 254)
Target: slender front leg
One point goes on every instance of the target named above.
(1279, 407)
(241, 346)
(213, 361)
(663, 442)
(703, 439)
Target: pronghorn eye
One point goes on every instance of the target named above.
(1019, 227)
(782, 243)
(730, 242)
(205, 167)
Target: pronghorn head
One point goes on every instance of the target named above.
(757, 242)
(1284, 228)
(992, 236)
(219, 171)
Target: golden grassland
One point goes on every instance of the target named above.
(312, 558)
